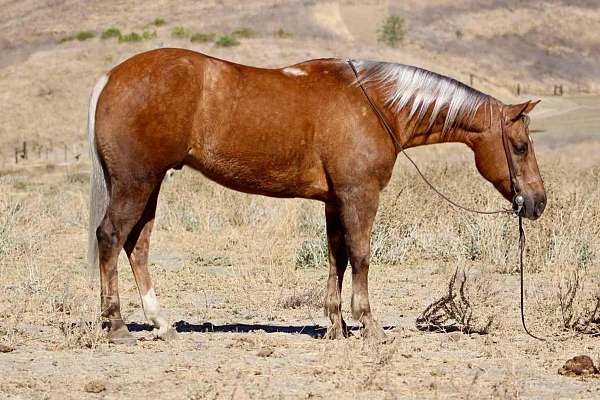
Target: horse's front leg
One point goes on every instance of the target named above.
(338, 261)
(359, 208)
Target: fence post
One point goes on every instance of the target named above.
(25, 151)
(471, 78)
(65, 152)
(518, 89)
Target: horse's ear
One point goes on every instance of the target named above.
(530, 106)
(514, 111)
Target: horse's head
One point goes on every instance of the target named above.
(505, 141)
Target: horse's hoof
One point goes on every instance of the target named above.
(167, 335)
(122, 336)
(336, 331)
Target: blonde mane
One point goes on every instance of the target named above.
(404, 85)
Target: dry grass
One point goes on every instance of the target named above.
(226, 258)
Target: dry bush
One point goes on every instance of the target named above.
(467, 306)
(580, 308)
(310, 296)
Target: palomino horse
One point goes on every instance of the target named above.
(308, 130)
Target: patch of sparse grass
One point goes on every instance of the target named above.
(392, 31)
(65, 39)
(312, 253)
(85, 35)
(180, 32)
(282, 34)
(131, 37)
(111, 33)
(201, 37)
(80, 36)
(226, 41)
(244, 33)
(137, 37)
(159, 22)
(147, 35)
(311, 296)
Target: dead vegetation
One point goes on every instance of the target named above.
(580, 312)
(465, 307)
(311, 297)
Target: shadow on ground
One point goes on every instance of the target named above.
(315, 331)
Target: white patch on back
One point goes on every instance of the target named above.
(293, 71)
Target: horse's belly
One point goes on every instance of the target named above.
(269, 174)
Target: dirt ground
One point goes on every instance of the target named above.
(242, 277)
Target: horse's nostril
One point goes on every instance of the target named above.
(539, 208)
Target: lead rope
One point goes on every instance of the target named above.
(516, 212)
(521, 264)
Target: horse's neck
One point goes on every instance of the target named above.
(413, 136)
(418, 133)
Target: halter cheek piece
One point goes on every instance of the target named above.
(518, 199)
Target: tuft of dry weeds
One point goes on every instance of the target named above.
(311, 297)
(467, 306)
(580, 312)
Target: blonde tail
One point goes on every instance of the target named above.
(98, 186)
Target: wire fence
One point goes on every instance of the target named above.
(32, 152)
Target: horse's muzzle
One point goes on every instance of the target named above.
(531, 206)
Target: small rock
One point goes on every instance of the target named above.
(578, 365)
(265, 352)
(6, 349)
(94, 387)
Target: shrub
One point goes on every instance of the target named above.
(159, 22)
(465, 307)
(180, 32)
(200, 37)
(244, 33)
(147, 35)
(282, 34)
(85, 35)
(392, 31)
(65, 39)
(131, 37)
(312, 253)
(226, 41)
(111, 33)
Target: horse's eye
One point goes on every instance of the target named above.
(521, 148)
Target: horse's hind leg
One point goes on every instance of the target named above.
(126, 205)
(338, 261)
(136, 247)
